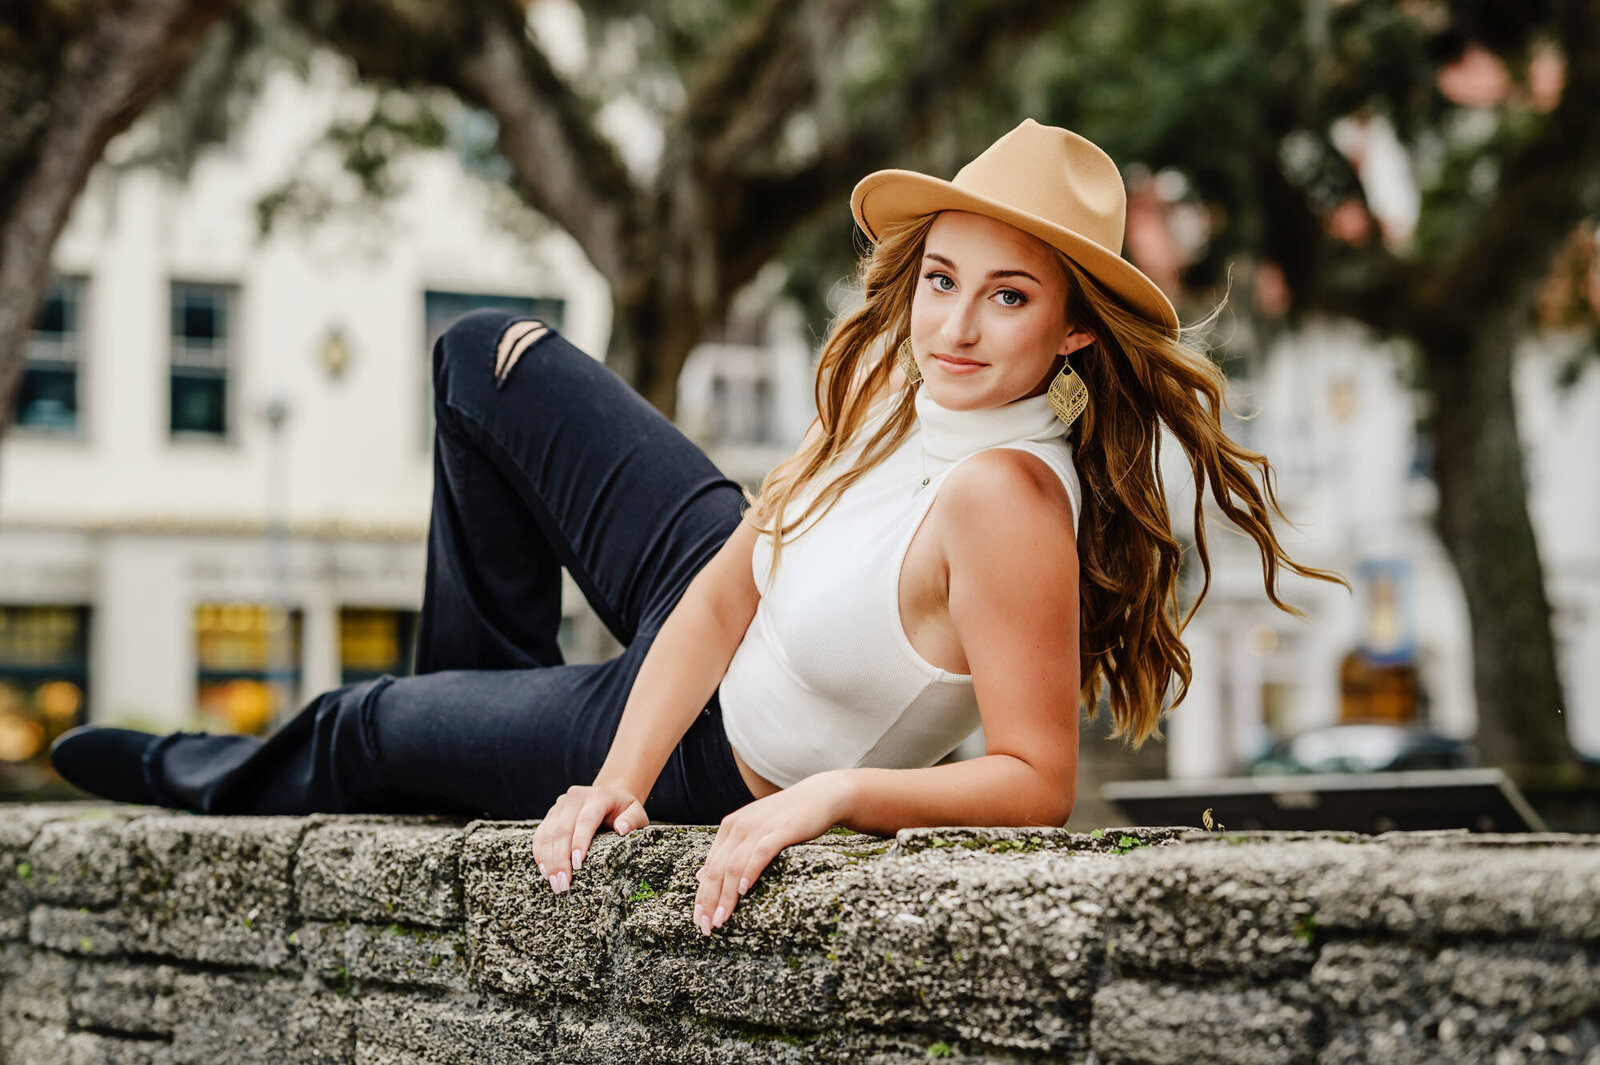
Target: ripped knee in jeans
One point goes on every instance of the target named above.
(517, 337)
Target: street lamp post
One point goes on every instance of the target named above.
(280, 647)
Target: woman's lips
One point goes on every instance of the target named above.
(957, 366)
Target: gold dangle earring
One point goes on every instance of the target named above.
(908, 363)
(1069, 396)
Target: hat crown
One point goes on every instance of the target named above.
(1056, 175)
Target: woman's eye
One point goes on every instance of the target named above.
(1010, 297)
(937, 277)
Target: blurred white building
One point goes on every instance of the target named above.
(215, 501)
(1340, 427)
(216, 498)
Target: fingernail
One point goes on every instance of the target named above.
(561, 882)
(699, 910)
(717, 917)
(705, 926)
(541, 870)
(622, 828)
(553, 881)
(577, 860)
(744, 885)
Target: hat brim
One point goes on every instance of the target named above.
(887, 197)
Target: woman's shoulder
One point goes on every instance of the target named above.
(1009, 487)
(1007, 528)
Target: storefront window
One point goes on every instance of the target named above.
(249, 664)
(202, 334)
(439, 309)
(43, 677)
(47, 396)
(373, 642)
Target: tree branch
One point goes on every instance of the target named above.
(108, 72)
(480, 50)
(1368, 283)
(1545, 189)
(757, 212)
(760, 79)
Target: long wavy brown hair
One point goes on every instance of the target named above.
(1139, 378)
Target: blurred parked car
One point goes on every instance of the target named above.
(1368, 748)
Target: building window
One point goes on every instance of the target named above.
(202, 336)
(742, 409)
(44, 672)
(439, 309)
(47, 398)
(375, 642)
(249, 663)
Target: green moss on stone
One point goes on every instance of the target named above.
(1126, 843)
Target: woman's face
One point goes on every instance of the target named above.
(989, 315)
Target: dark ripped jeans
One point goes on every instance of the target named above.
(556, 463)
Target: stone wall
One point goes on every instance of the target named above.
(138, 936)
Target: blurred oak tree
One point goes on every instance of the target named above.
(1496, 105)
(770, 110)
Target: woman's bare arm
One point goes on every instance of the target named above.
(1014, 605)
(1012, 560)
(684, 665)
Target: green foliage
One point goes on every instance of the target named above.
(25, 871)
(940, 1049)
(645, 891)
(368, 151)
(1127, 843)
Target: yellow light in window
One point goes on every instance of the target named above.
(20, 738)
(58, 700)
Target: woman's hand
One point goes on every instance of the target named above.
(562, 838)
(752, 836)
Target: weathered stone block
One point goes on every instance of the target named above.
(83, 860)
(1460, 1003)
(81, 931)
(1436, 892)
(782, 993)
(1142, 1023)
(124, 997)
(1002, 949)
(524, 938)
(19, 879)
(1219, 909)
(1394, 1042)
(246, 1019)
(391, 954)
(382, 873)
(1000, 840)
(675, 1042)
(401, 1029)
(214, 889)
(45, 1045)
(37, 987)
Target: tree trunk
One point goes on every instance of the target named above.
(1484, 523)
(70, 81)
(650, 341)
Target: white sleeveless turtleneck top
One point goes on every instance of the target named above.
(825, 677)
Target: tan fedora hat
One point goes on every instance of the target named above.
(1044, 180)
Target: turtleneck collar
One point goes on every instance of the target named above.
(953, 434)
